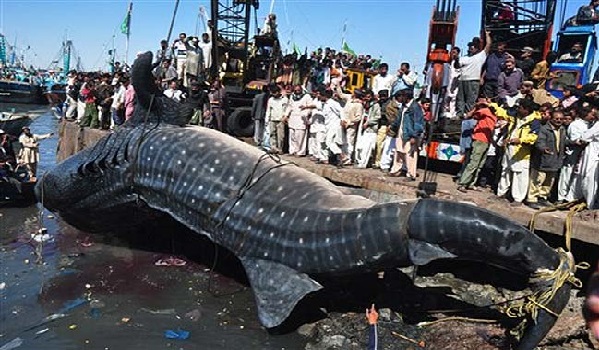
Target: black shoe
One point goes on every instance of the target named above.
(544, 202)
(409, 179)
(534, 205)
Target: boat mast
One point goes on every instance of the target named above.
(67, 57)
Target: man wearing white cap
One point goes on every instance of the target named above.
(526, 62)
(30, 154)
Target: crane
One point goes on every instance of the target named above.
(244, 66)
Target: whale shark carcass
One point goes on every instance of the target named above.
(284, 223)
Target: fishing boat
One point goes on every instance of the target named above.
(13, 123)
(13, 91)
(15, 188)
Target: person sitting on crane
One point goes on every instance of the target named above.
(180, 53)
(586, 15)
(574, 56)
(270, 26)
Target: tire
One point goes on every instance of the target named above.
(240, 122)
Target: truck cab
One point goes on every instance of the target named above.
(572, 72)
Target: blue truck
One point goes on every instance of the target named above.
(571, 71)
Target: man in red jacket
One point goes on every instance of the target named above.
(481, 138)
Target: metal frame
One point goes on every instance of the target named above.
(230, 29)
(532, 24)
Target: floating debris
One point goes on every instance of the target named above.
(13, 344)
(178, 334)
(159, 312)
(42, 331)
(170, 261)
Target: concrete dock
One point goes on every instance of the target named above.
(585, 225)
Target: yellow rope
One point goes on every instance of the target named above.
(530, 305)
(564, 273)
(573, 207)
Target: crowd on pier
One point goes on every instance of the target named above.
(517, 139)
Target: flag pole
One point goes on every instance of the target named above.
(170, 29)
(343, 33)
(128, 33)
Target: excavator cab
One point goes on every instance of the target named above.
(568, 70)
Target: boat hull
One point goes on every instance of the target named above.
(21, 92)
(12, 124)
(17, 194)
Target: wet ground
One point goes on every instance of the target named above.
(81, 291)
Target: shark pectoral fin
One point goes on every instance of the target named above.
(421, 253)
(277, 289)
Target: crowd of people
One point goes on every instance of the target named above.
(527, 145)
(518, 139)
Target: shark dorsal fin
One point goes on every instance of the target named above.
(152, 106)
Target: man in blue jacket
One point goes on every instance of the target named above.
(410, 126)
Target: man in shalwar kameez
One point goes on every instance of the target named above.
(29, 154)
(590, 168)
(367, 131)
(298, 114)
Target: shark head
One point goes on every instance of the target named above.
(86, 191)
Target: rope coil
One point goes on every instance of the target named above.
(531, 304)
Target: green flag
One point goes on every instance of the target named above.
(126, 25)
(347, 49)
(297, 50)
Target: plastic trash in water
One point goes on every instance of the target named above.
(13, 344)
(95, 313)
(42, 331)
(41, 237)
(159, 312)
(71, 304)
(178, 334)
(53, 317)
(170, 261)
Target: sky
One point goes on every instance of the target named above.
(397, 30)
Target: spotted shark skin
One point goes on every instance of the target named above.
(284, 223)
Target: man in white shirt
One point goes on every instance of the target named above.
(383, 80)
(297, 115)
(118, 104)
(206, 46)
(276, 111)
(469, 83)
(332, 111)
(569, 185)
(406, 79)
(173, 92)
(574, 56)
(180, 53)
(590, 165)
